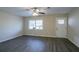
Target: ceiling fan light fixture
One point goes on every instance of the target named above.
(35, 14)
(37, 10)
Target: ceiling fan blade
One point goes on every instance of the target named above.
(41, 13)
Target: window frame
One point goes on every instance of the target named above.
(35, 24)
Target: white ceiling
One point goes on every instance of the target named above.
(21, 11)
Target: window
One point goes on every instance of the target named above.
(60, 21)
(36, 24)
(31, 24)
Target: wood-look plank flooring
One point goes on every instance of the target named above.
(38, 44)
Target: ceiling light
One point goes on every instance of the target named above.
(35, 14)
(37, 10)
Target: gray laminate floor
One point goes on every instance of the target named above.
(38, 44)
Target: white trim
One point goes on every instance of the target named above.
(3, 40)
(43, 36)
(73, 42)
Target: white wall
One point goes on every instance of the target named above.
(73, 26)
(10, 26)
(49, 25)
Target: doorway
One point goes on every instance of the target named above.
(61, 27)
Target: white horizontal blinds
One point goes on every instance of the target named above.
(39, 24)
(31, 24)
(36, 24)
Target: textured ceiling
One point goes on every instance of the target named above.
(21, 11)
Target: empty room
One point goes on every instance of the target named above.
(39, 29)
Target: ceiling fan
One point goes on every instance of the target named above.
(37, 10)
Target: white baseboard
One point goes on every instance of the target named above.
(3, 40)
(43, 36)
(73, 42)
